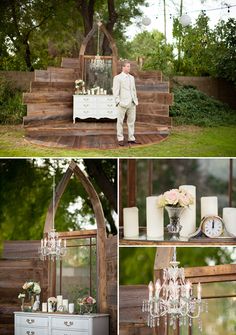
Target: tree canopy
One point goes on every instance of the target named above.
(26, 186)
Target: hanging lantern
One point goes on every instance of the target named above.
(185, 20)
(146, 21)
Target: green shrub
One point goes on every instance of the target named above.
(194, 107)
(11, 108)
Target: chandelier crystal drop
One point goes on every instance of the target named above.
(97, 64)
(52, 248)
(173, 299)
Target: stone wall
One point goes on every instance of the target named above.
(219, 89)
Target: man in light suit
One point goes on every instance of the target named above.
(126, 100)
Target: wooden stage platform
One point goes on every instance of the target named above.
(94, 135)
(50, 110)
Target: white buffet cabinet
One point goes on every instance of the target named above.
(61, 324)
(94, 106)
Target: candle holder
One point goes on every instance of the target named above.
(174, 226)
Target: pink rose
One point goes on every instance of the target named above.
(172, 196)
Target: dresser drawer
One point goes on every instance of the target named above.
(69, 332)
(31, 331)
(32, 321)
(70, 323)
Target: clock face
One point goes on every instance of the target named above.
(212, 226)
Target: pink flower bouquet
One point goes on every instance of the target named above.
(175, 198)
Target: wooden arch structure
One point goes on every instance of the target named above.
(112, 44)
(101, 230)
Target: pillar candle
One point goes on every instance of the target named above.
(71, 308)
(229, 218)
(131, 225)
(59, 301)
(188, 216)
(155, 219)
(65, 304)
(44, 307)
(209, 206)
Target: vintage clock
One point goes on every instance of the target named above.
(211, 226)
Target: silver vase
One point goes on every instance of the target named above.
(174, 226)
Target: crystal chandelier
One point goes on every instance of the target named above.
(173, 299)
(97, 64)
(52, 248)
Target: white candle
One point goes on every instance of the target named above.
(64, 243)
(188, 216)
(59, 301)
(188, 288)
(155, 219)
(71, 308)
(157, 288)
(199, 291)
(44, 307)
(209, 206)
(65, 304)
(229, 218)
(131, 225)
(41, 243)
(150, 290)
(50, 309)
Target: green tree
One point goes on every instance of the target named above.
(152, 46)
(27, 186)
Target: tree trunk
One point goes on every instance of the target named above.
(112, 19)
(86, 9)
(95, 169)
(27, 56)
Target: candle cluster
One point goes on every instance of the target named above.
(57, 304)
(155, 216)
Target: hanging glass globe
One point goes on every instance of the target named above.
(146, 21)
(185, 20)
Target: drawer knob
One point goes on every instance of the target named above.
(30, 333)
(30, 321)
(68, 323)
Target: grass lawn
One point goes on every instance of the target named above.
(184, 141)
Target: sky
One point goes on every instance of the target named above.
(214, 10)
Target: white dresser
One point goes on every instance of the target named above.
(61, 324)
(94, 106)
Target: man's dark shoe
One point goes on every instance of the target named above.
(121, 143)
(133, 142)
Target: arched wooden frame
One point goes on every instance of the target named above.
(85, 42)
(101, 231)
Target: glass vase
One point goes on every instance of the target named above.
(174, 226)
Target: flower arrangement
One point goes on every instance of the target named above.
(31, 287)
(79, 83)
(86, 304)
(176, 198)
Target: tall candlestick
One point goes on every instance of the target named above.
(131, 224)
(229, 218)
(155, 219)
(188, 217)
(209, 206)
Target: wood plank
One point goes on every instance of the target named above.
(131, 183)
(70, 62)
(157, 97)
(154, 119)
(43, 97)
(36, 86)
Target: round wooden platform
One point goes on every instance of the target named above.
(94, 135)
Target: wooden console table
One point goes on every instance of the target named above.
(94, 106)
